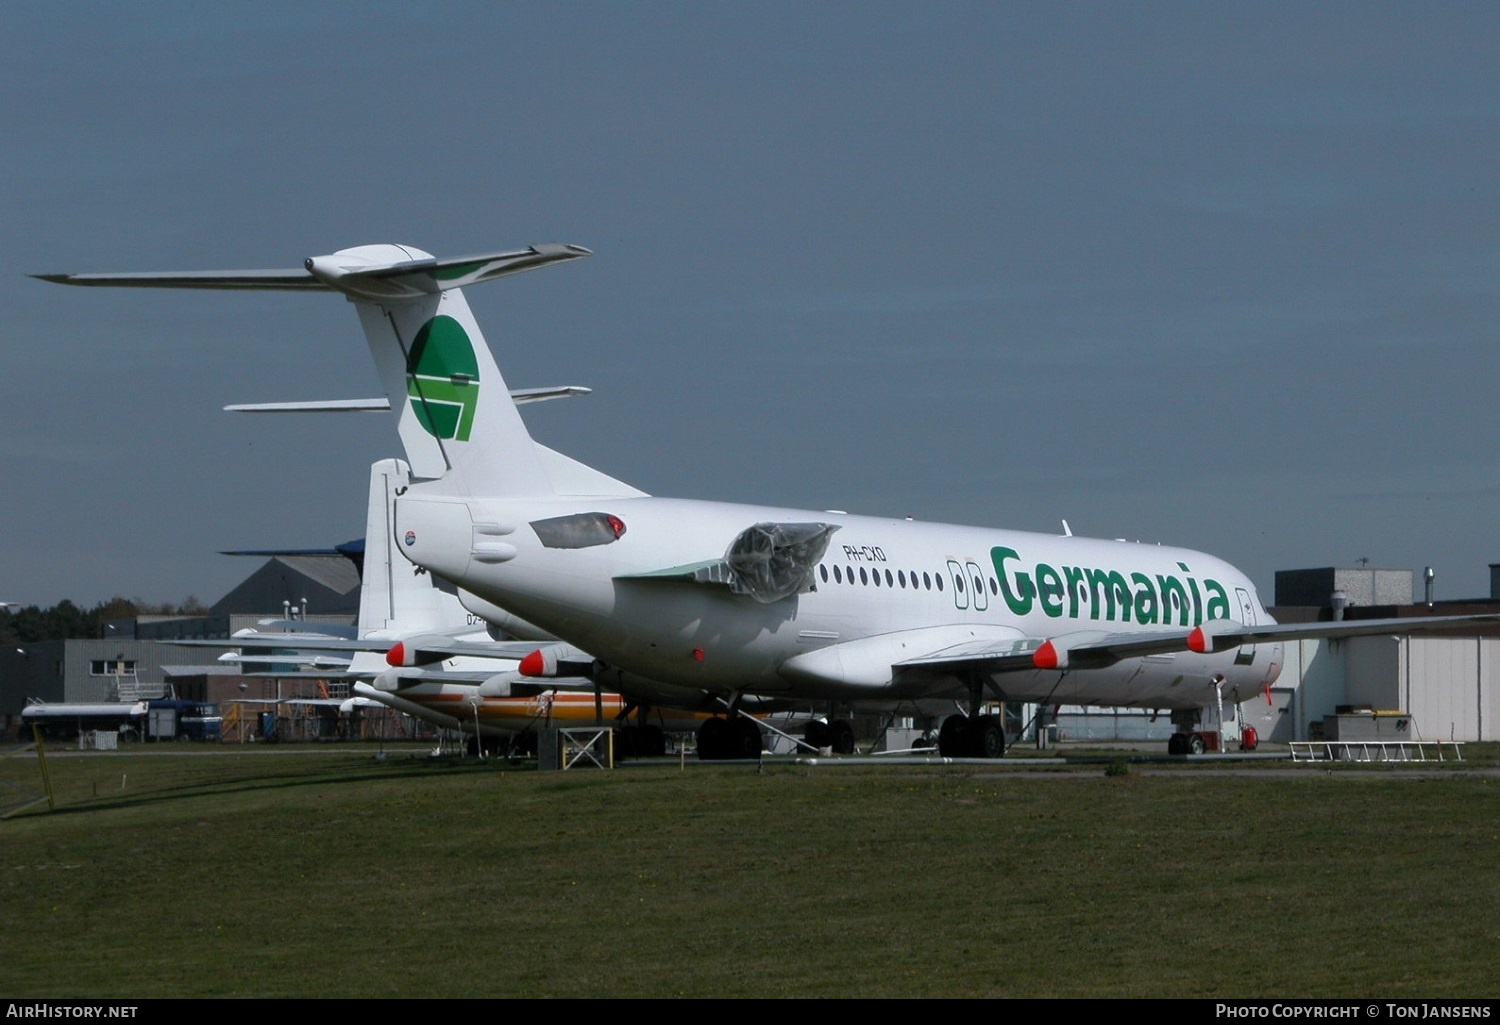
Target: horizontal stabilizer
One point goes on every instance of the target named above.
(347, 272)
(520, 396)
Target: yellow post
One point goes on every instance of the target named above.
(41, 757)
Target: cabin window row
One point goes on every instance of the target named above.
(880, 577)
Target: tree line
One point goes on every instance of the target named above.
(66, 620)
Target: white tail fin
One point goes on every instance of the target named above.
(396, 596)
(457, 420)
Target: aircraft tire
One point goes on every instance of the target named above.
(1174, 744)
(746, 738)
(816, 734)
(988, 737)
(481, 747)
(711, 740)
(841, 737)
(1195, 745)
(951, 737)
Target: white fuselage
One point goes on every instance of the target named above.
(900, 587)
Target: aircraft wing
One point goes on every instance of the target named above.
(317, 661)
(1096, 649)
(425, 647)
(951, 650)
(285, 642)
(1223, 634)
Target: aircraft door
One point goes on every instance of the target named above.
(1246, 654)
(960, 588)
(976, 579)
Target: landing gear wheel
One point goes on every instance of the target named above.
(746, 738)
(841, 737)
(1195, 745)
(950, 737)
(480, 747)
(988, 737)
(816, 734)
(713, 740)
(1175, 745)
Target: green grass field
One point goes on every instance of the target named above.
(333, 874)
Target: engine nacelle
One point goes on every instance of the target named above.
(420, 650)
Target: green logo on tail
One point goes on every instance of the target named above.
(442, 379)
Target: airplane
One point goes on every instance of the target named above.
(459, 674)
(736, 599)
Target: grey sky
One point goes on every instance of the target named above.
(1216, 275)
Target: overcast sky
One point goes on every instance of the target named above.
(1218, 275)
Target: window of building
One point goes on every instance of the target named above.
(112, 667)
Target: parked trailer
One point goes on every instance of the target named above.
(159, 719)
(67, 721)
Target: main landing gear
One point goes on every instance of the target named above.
(642, 738)
(977, 736)
(837, 736)
(735, 737)
(1191, 738)
(1195, 743)
(972, 735)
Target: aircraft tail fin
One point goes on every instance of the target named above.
(457, 421)
(455, 416)
(397, 596)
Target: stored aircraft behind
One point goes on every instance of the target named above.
(451, 671)
(738, 599)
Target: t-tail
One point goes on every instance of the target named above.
(457, 421)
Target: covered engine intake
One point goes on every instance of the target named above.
(771, 561)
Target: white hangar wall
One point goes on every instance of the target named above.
(1450, 686)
